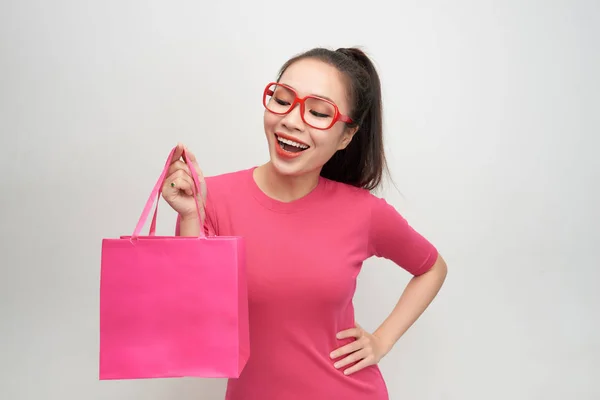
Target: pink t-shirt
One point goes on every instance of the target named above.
(303, 258)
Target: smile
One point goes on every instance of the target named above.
(289, 145)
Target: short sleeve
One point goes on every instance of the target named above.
(391, 237)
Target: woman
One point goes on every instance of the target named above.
(309, 221)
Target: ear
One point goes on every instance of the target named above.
(347, 137)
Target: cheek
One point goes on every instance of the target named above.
(328, 140)
(270, 120)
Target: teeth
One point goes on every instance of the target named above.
(292, 143)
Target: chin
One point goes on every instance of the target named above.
(283, 163)
(284, 168)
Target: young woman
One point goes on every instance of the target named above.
(310, 220)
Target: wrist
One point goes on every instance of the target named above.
(386, 341)
(193, 217)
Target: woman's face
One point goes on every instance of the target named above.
(295, 147)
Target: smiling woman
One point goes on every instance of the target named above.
(322, 122)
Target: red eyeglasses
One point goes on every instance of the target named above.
(316, 112)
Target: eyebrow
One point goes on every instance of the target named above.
(313, 94)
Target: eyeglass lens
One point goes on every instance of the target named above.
(318, 113)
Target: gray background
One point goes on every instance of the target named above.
(492, 124)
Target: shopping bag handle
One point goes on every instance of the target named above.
(152, 231)
(202, 197)
(154, 196)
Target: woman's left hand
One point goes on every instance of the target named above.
(366, 350)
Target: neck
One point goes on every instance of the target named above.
(284, 188)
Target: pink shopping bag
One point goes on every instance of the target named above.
(172, 306)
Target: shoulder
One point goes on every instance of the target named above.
(380, 216)
(361, 200)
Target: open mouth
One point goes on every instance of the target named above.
(289, 145)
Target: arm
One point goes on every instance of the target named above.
(369, 349)
(391, 237)
(419, 293)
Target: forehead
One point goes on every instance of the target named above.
(314, 77)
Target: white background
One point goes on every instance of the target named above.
(492, 130)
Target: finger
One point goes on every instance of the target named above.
(347, 349)
(348, 333)
(192, 159)
(184, 175)
(180, 181)
(178, 151)
(182, 185)
(365, 362)
(354, 357)
(179, 165)
(190, 156)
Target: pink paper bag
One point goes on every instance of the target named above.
(173, 306)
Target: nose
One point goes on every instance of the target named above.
(293, 119)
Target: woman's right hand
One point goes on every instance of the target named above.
(178, 186)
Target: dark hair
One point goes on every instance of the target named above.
(363, 161)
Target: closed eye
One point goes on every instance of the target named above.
(319, 115)
(281, 102)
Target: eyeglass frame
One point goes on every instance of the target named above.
(301, 100)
